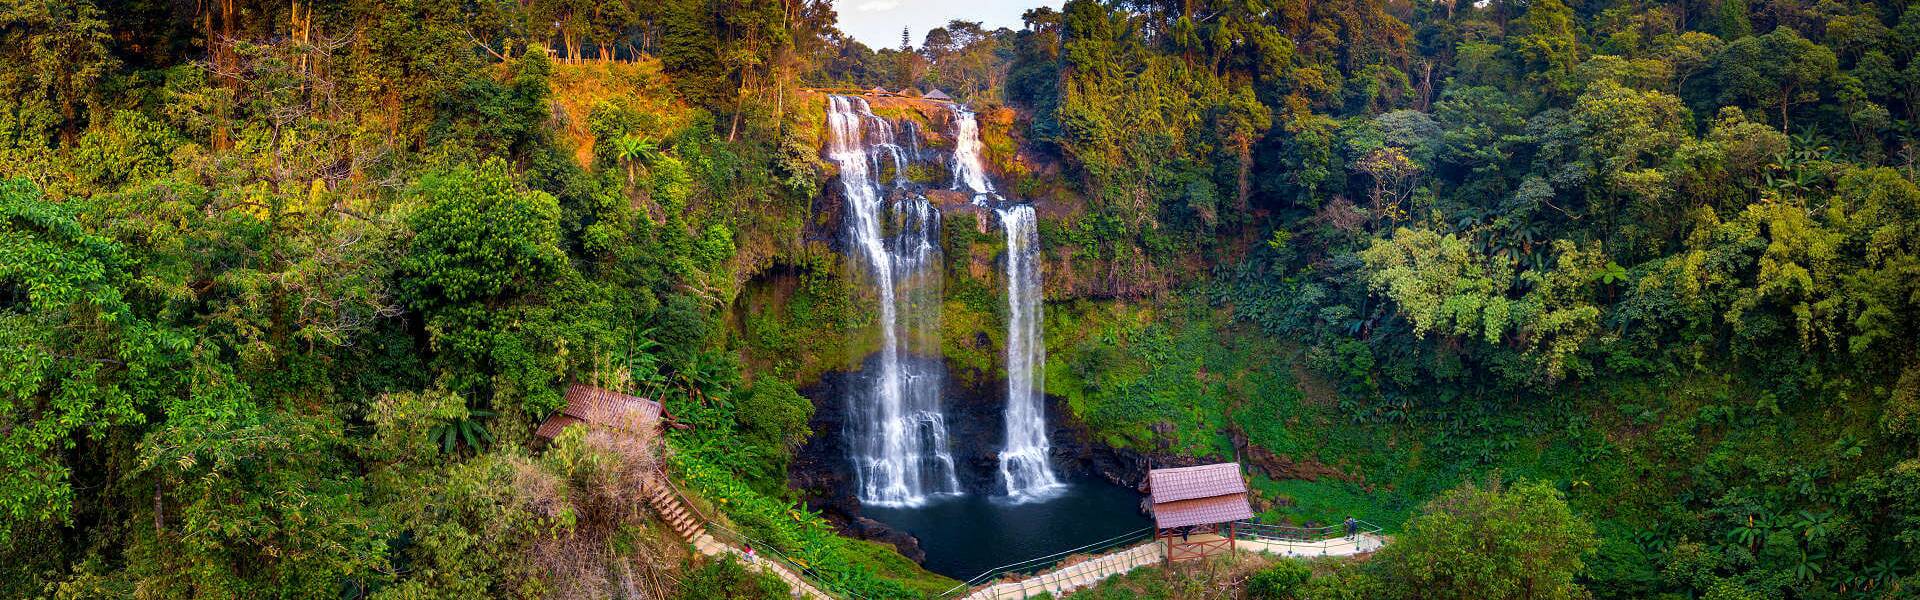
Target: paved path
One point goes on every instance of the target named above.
(1361, 544)
(800, 588)
(693, 528)
(1075, 576)
(1086, 573)
(1057, 582)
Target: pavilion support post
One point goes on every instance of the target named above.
(1231, 543)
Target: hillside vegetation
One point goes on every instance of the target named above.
(284, 289)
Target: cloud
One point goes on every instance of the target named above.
(877, 5)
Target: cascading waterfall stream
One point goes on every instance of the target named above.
(899, 434)
(968, 171)
(1025, 468)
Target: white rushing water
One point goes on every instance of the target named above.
(898, 432)
(1026, 470)
(968, 171)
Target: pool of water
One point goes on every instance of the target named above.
(967, 535)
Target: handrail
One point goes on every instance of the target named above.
(1076, 575)
(1243, 529)
(677, 493)
(1247, 529)
(989, 574)
(1288, 532)
(774, 555)
(809, 575)
(1306, 535)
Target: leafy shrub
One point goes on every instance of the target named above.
(726, 579)
(1282, 581)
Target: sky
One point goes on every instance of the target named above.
(877, 23)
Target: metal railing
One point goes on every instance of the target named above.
(762, 550)
(1119, 563)
(766, 552)
(1303, 534)
(1042, 562)
(1095, 569)
(1285, 534)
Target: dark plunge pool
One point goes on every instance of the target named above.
(967, 535)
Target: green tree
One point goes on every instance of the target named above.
(1443, 285)
(75, 358)
(1779, 69)
(481, 268)
(1550, 44)
(1493, 541)
(55, 56)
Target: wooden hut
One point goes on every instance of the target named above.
(936, 94)
(603, 408)
(1191, 504)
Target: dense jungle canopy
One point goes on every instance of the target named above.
(1627, 289)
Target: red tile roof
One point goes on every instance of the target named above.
(586, 404)
(1202, 511)
(1186, 483)
(554, 425)
(1198, 495)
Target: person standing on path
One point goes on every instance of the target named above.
(1353, 527)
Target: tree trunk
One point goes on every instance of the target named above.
(1784, 99)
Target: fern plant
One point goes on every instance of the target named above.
(468, 433)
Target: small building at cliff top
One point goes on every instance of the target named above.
(1190, 506)
(936, 94)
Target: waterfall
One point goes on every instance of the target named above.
(898, 433)
(1025, 469)
(968, 171)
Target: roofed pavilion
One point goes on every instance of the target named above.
(603, 408)
(1190, 504)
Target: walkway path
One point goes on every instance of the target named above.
(693, 527)
(1361, 544)
(799, 586)
(1074, 576)
(1086, 573)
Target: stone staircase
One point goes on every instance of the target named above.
(680, 518)
(691, 527)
